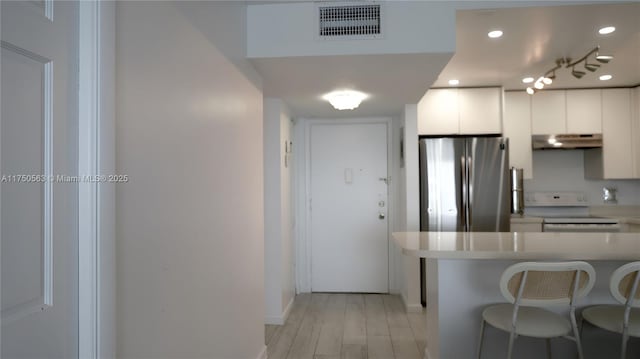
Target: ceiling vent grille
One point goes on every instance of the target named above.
(349, 21)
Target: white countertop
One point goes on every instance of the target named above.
(520, 245)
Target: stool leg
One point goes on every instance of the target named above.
(576, 334)
(625, 338)
(481, 338)
(549, 348)
(512, 338)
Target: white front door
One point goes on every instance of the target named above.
(349, 225)
(38, 142)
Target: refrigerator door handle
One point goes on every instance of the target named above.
(470, 181)
(463, 184)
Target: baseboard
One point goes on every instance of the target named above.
(279, 319)
(287, 310)
(263, 353)
(411, 308)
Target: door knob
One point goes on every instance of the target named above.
(381, 215)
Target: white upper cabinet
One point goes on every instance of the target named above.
(438, 112)
(584, 111)
(517, 127)
(460, 111)
(549, 113)
(616, 158)
(480, 110)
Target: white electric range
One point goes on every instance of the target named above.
(567, 212)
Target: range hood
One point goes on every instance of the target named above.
(566, 141)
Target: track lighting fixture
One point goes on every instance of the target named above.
(567, 63)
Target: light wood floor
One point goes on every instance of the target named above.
(336, 326)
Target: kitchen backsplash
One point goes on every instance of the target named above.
(563, 170)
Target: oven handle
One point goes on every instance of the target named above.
(609, 227)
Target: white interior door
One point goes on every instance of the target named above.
(38, 141)
(349, 225)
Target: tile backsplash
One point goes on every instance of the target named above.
(563, 170)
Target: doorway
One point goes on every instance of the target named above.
(348, 205)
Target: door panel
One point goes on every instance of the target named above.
(489, 196)
(349, 239)
(441, 172)
(38, 213)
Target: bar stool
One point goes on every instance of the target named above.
(623, 319)
(527, 287)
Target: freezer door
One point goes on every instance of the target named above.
(488, 178)
(441, 177)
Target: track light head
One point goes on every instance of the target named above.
(531, 90)
(604, 59)
(591, 67)
(577, 73)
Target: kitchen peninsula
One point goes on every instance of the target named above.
(463, 273)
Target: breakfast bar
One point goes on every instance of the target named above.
(463, 273)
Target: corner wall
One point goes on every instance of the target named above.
(279, 244)
(190, 220)
(407, 268)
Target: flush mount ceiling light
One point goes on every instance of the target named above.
(495, 34)
(606, 30)
(345, 99)
(566, 62)
(605, 77)
(454, 82)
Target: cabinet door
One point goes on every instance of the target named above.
(480, 111)
(438, 112)
(548, 113)
(617, 148)
(584, 111)
(517, 127)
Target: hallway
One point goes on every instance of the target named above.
(336, 325)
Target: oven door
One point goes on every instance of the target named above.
(581, 227)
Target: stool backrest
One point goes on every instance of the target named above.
(547, 283)
(625, 284)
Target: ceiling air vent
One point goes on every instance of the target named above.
(357, 21)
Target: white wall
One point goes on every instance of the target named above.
(190, 220)
(279, 243)
(408, 268)
(563, 170)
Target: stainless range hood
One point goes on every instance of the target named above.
(564, 142)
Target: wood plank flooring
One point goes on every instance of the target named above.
(346, 326)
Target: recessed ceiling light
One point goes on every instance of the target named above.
(454, 82)
(607, 30)
(495, 34)
(345, 99)
(527, 80)
(605, 77)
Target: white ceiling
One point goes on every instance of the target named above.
(390, 81)
(533, 39)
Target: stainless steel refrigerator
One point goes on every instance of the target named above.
(464, 186)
